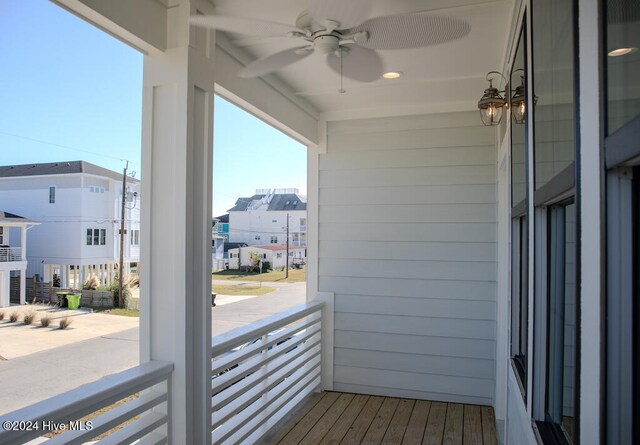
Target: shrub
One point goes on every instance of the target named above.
(1, 316)
(64, 323)
(29, 317)
(45, 321)
(14, 317)
(92, 283)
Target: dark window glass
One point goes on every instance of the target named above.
(623, 62)
(519, 298)
(561, 354)
(553, 87)
(518, 129)
(52, 195)
(103, 237)
(89, 237)
(96, 237)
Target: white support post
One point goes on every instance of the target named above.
(23, 243)
(177, 164)
(327, 338)
(592, 199)
(23, 286)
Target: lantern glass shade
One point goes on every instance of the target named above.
(491, 106)
(518, 105)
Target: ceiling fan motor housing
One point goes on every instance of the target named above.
(326, 43)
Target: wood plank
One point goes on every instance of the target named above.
(362, 422)
(472, 434)
(325, 423)
(398, 426)
(435, 424)
(381, 422)
(288, 424)
(489, 435)
(301, 429)
(341, 427)
(453, 426)
(417, 423)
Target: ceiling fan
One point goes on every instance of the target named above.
(342, 30)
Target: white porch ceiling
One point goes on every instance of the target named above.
(446, 77)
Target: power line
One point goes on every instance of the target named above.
(62, 146)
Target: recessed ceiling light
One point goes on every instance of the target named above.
(392, 75)
(622, 52)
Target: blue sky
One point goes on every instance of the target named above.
(70, 92)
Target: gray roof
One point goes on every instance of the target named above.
(288, 201)
(6, 217)
(243, 203)
(59, 168)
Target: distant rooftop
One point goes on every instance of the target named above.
(10, 218)
(59, 168)
(277, 202)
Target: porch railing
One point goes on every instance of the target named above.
(9, 254)
(144, 417)
(262, 371)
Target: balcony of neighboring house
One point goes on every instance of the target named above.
(13, 257)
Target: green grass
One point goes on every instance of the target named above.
(295, 276)
(238, 289)
(123, 312)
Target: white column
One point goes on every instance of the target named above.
(177, 161)
(23, 242)
(592, 199)
(23, 286)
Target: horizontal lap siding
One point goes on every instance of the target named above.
(407, 242)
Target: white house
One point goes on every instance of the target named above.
(510, 252)
(13, 258)
(262, 218)
(275, 254)
(79, 207)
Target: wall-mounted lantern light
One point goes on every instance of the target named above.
(492, 102)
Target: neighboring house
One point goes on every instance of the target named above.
(13, 259)
(262, 218)
(275, 254)
(221, 226)
(79, 207)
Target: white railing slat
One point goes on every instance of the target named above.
(238, 404)
(256, 415)
(226, 342)
(136, 430)
(111, 419)
(222, 382)
(221, 363)
(282, 365)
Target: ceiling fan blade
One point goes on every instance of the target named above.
(242, 25)
(275, 61)
(413, 30)
(347, 13)
(361, 64)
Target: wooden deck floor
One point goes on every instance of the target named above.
(350, 419)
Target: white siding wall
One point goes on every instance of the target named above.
(407, 242)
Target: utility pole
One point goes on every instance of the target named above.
(286, 275)
(124, 198)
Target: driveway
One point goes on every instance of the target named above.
(29, 378)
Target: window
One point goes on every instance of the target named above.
(274, 220)
(1, 235)
(279, 255)
(96, 189)
(52, 194)
(520, 299)
(257, 237)
(561, 367)
(519, 227)
(96, 237)
(296, 238)
(274, 240)
(135, 237)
